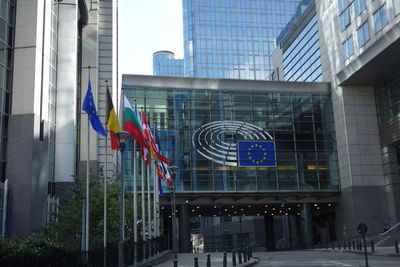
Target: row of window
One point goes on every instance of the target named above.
(363, 32)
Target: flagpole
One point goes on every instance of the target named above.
(149, 206)
(143, 205)
(134, 204)
(156, 192)
(154, 204)
(105, 195)
(105, 206)
(87, 191)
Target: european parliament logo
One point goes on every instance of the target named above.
(256, 153)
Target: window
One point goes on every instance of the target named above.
(380, 18)
(344, 19)
(348, 48)
(343, 4)
(359, 6)
(396, 7)
(363, 34)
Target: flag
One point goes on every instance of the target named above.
(152, 143)
(160, 190)
(145, 151)
(132, 124)
(163, 166)
(112, 122)
(256, 153)
(90, 108)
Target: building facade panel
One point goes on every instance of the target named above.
(301, 124)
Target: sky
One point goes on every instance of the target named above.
(147, 26)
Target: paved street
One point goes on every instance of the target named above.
(326, 259)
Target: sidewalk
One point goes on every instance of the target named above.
(187, 260)
(379, 251)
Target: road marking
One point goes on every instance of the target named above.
(341, 264)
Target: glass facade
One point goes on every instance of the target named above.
(301, 60)
(165, 64)
(388, 99)
(233, 39)
(7, 23)
(300, 124)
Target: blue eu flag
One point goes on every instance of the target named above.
(90, 108)
(256, 153)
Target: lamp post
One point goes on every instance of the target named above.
(122, 138)
(173, 210)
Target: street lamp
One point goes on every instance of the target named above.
(173, 209)
(122, 138)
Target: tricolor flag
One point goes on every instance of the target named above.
(132, 124)
(112, 122)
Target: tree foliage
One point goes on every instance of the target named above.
(66, 230)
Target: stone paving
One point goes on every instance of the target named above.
(187, 260)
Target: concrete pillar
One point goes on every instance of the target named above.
(392, 182)
(185, 244)
(269, 232)
(65, 151)
(306, 225)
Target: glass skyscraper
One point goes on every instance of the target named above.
(301, 49)
(232, 39)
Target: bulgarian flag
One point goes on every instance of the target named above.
(112, 122)
(132, 124)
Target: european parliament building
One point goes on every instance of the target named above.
(244, 149)
(334, 147)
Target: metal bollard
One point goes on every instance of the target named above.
(338, 244)
(208, 260)
(354, 245)
(233, 258)
(249, 253)
(196, 262)
(372, 246)
(175, 263)
(224, 260)
(333, 246)
(349, 243)
(396, 245)
(240, 256)
(244, 255)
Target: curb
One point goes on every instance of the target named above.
(251, 263)
(162, 257)
(359, 252)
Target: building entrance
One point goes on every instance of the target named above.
(264, 227)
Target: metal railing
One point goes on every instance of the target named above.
(145, 251)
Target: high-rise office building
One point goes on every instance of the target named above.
(46, 60)
(232, 39)
(358, 54)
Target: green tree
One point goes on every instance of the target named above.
(66, 231)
